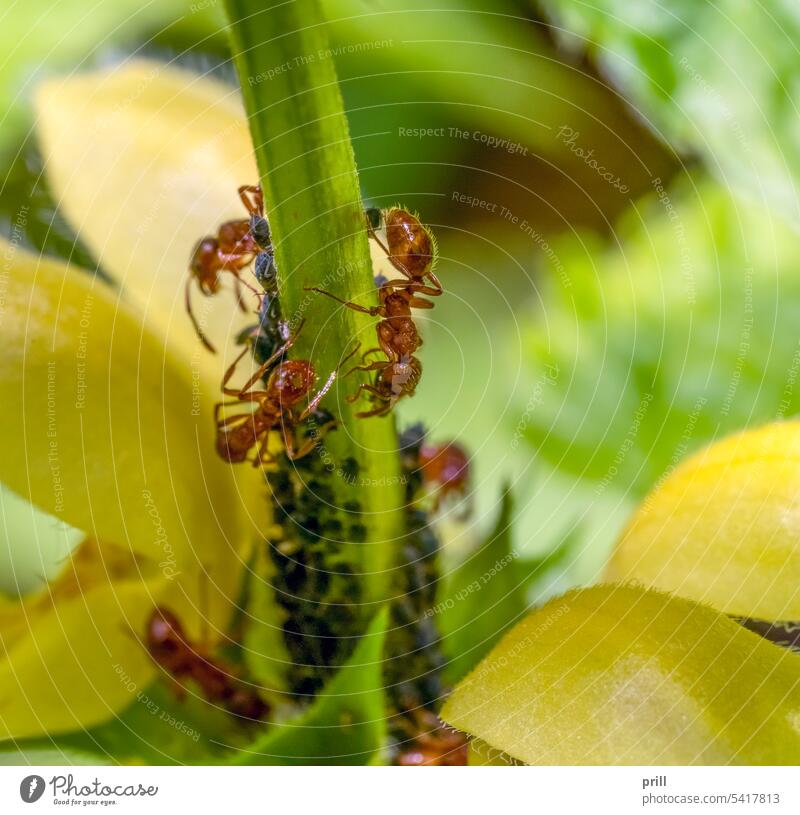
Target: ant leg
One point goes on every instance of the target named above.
(417, 287)
(374, 235)
(190, 312)
(364, 388)
(255, 207)
(383, 410)
(263, 455)
(250, 286)
(379, 365)
(231, 369)
(262, 369)
(234, 419)
(418, 302)
(374, 311)
(237, 287)
(312, 405)
(220, 405)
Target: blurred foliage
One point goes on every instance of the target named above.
(480, 598)
(484, 69)
(40, 37)
(487, 592)
(683, 332)
(719, 79)
(45, 758)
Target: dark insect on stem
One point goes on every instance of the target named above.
(232, 249)
(413, 673)
(184, 661)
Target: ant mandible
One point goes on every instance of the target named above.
(289, 382)
(235, 246)
(171, 649)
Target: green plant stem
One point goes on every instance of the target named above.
(311, 192)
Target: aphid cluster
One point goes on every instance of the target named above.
(312, 549)
(430, 472)
(411, 249)
(314, 579)
(186, 661)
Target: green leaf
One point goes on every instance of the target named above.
(718, 79)
(263, 648)
(481, 598)
(310, 184)
(620, 675)
(487, 69)
(157, 728)
(345, 724)
(45, 758)
(681, 335)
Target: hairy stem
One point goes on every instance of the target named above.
(313, 203)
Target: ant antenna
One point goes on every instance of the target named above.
(197, 328)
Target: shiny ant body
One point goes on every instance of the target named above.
(171, 649)
(235, 246)
(288, 383)
(411, 249)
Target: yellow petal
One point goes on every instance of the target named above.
(724, 528)
(620, 675)
(106, 429)
(69, 656)
(144, 159)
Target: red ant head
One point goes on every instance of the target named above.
(203, 266)
(410, 243)
(445, 465)
(291, 381)
(165, 635)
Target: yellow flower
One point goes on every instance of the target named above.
(629, 674)
(108, 396)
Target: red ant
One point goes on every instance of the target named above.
(432, 744)
(289, 382)
(410, 247)
(171, 649)
(235, 246)
(412, 250)
(398, 339)
(445, 467)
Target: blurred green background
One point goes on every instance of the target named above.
(614, 189)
